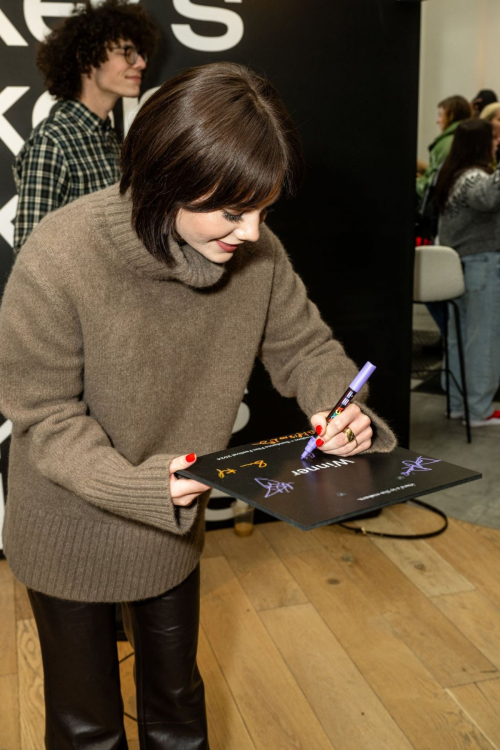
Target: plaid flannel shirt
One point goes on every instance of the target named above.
(71, 153)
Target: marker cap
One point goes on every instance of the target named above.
(362, 377)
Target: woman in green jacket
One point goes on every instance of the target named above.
(451, 111)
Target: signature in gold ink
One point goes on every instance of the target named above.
(295, 436)
(261, 464)
(222, 472)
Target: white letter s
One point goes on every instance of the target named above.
(230, 19)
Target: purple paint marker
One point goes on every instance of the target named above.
(346, 399)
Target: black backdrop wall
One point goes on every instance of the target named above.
(348, 72)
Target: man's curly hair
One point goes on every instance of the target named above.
(82, 40)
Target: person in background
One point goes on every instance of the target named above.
(481, 100)
(491, 113)
(451, 111)
(468, 198)
(88, 62)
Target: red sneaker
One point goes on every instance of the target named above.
(492, 420)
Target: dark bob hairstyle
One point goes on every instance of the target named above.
(215, 136)
(82, 40)
(472, 147)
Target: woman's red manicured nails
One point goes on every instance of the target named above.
(319, 429)
(191, 458)
(320, 442)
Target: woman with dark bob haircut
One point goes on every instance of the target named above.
(128, 332)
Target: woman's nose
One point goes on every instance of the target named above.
(248, 230)
(140, 63)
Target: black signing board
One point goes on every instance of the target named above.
(323, 489)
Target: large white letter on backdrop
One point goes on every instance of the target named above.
(8, 134)
(186, 36)
(9, 33)
(7, 216)
(35, 10)
(42, 108)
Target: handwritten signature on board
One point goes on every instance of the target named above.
(295, 436)
(221, 473)
(420, 464)
(273, 487)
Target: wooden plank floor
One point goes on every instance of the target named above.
(319, 640)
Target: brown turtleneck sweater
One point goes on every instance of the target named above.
(111, 364)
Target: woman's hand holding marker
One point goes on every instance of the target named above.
(354, 424)
(184, 491)
(334, 436)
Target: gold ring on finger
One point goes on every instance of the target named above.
(349, 434)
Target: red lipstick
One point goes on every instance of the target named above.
(227, 248)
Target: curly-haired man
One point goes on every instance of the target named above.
(88, 62)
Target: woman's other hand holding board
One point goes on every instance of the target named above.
(184, 491)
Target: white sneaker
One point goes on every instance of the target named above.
(492, 420)
(455, 414)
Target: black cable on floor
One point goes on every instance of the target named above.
(362, 530)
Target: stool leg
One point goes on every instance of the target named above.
(462, 370)
(446, 365)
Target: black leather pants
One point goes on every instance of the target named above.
(84, 708)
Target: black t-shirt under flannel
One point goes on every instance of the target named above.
(69, 154)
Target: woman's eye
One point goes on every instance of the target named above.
(232, 217)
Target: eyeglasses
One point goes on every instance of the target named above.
(131, 54)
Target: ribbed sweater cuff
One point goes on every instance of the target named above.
(384, 440)
(141, 493)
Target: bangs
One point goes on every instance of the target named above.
(244, 195)
(249, 171)
(245, 188)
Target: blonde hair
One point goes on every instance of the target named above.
(489, 112)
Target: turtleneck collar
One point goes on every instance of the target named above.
(191, 267)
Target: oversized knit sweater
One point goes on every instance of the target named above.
(111, 364)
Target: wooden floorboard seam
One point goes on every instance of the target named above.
(397, 632)
(226, 683)
(353, 665)
(430, 599)
(299, 686)
(353, 661)
(472, 719)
